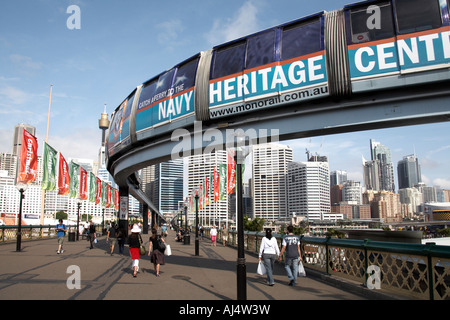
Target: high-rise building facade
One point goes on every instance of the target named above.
(383, 155)
(168, 185)
(309, 190)
(269, 190)
(200, 167)
(408, 171)
(18, 135)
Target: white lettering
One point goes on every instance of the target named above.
(412, 53)
(358, 59)
(301, 76)
(382, 56)
(428, 39)
(312, 68)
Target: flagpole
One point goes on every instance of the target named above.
(46, 141)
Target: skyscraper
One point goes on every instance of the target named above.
(309, 190)
(408, 171)
(383, 155)
(270, 165)
(18, 134)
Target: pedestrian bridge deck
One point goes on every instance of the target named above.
(37, 272)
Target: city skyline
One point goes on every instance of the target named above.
(103, 61)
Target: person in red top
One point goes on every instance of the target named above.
(134, 241)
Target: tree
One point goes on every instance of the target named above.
(256, 224)
(335, 233)
(444, 232)
(61, 215)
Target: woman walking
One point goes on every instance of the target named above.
(157, 255)
(268, 252)
(135, 240)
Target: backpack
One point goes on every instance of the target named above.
(161, 245)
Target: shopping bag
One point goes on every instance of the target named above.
(261, 269)
(301, 270)
(168, 251)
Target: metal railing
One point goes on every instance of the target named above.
(413, 270)
(9, 233)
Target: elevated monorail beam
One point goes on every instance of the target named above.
(390, 108)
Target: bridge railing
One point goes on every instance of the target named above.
(414, 270)
(30, 232)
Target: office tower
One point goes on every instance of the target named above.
(269, 190)
(18, 135)
(8, 163)
(371, 172)
(352, 191)
(338, 177)
(383, 155)
(168, 185)
(408, 171)
(199, 167)
(309, 190)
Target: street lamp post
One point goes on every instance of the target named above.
(196, 225)
(21, 187)
(241, 271)
(78, 220)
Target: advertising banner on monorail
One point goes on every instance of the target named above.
(424, 50)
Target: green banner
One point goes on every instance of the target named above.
(92, 187)
(74, 171)
(49, 168)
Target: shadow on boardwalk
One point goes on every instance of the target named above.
(38, 273)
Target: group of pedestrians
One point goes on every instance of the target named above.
(269, 252)
(156, 249)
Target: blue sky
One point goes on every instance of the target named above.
(123, 43)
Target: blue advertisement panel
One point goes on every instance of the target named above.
(167, 97)
(120, 125)
(275, 78)
(424, 50)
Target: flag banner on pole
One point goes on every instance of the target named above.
(49, 168)
(216, 185)
(83, 184)
(63, 176)
(222, 181)
(104, 191)
(200, 201)
(98, 194)
(116, 199)
(92, 187)
(231, 171)
(206, 191)
(108, 195)
(28, 158)
(74, 170)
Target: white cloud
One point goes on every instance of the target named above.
(14, 95)
(25, 62)
(243, 22)
(442, 182)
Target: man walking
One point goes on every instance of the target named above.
(291, 245)
(60, 234)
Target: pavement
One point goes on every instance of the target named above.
(37, 272)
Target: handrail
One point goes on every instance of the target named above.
(416, 270)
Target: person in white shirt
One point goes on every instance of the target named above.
(268, 252)
(213, 234)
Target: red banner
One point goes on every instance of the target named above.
(63, 176)
(231, 171)
(108, 196)
(28, 158)
(98, 196)
(216, 185)
(83, 184)
(116, 199)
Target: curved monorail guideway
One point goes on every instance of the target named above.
(370, 65)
